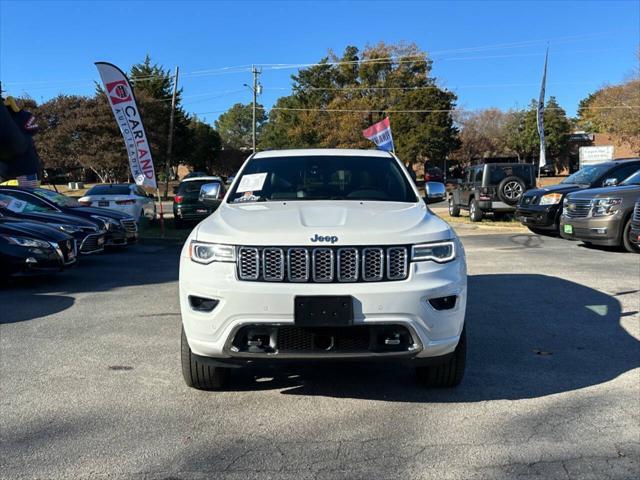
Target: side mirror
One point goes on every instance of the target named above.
(210, 193)
(175, 190)
(610, 182)
(434, 192)
(151, 195)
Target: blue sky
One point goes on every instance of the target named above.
(47, 48)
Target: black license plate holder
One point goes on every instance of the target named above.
(323, 311)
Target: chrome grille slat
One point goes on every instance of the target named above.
(348, 264)
(323, 264)
(248, 263)
(396, 263)
(372, 264)
(636, 212)
(273, 264)
(298, 265)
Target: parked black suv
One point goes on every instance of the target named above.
(540, 209)
(492, 187)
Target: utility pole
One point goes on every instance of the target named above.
(170, 142)
(255, 90)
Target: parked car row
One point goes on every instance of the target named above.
(43, 231)
(594, 205)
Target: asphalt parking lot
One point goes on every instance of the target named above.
(91, 384)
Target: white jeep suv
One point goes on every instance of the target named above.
(318, 255)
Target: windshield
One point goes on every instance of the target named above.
(109, 190)
(57, 198)
(586, 175)
(323, 178)
(632, 180)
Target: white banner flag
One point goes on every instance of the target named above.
(125, 109)
(543, 149)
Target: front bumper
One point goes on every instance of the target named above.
(25, 262)
(603, 231)
(544, 217)
(400, 303)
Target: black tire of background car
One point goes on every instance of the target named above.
(448, 374)
(475, 214)
(454, 210)
(505, 194)
(626, 243)
(198, 374)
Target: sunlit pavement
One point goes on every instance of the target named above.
(91, 384)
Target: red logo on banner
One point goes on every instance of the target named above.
(119, 92)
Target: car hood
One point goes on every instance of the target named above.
(103, 212)
(50, 217)
(558, 188)
(341, 222)
(40, 231)
(619, 191)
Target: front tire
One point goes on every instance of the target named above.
(198, 374)
(475, 214)
(448, 374)
(626, 243)
(454, 210)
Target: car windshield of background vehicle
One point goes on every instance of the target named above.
(109, 190)
(57, 198)
(632, 180)
(323, 178)
(586, 175)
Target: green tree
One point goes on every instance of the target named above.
(205, 146)
(522, 133)
(614, 110)
(235, 126)
(333, 101)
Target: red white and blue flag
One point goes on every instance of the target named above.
(380, 134)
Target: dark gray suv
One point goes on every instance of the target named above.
(602, 216)
(492, 187)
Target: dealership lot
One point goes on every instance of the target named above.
(91, 384)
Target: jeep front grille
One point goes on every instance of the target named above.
(577, 208)
(323, 264)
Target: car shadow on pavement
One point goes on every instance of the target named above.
(528, 336)
(150, 262)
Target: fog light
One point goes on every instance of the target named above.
(201, 304)
(30, 260)
(443, 303)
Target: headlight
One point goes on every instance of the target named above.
(551, 199)
(66, 228)
(27, 242)
(440, 252)
(605, 206)
(109, 223)
(211, 252)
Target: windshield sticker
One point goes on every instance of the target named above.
(247, 197)
(251, 183)
(14, 205)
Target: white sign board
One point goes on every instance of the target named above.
(594, 155)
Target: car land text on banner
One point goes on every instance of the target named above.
(125, 109)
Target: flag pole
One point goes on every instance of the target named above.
(542, 160)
